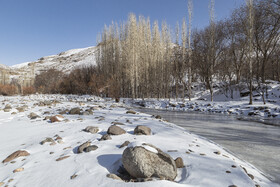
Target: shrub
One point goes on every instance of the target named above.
(28, 90)
(7, 90)
(48, 82)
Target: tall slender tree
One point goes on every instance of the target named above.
(184, 57)
(250, 17)
(211, 55)
(190, 15)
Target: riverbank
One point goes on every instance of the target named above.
(250, 141)
(235, 104)
(53, 160)
(268, 114)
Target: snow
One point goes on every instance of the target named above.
(4, 66)
(74, 51)
(65, 61)
(22, 65)
(18, 132)
(142, 144)
(223, 104)
(59, 118)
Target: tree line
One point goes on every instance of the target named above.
(139, 59)
(145, 61)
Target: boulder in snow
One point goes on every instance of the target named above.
(47, 140)
(125, 144)
(8, 106)
(91, 129)
(142, 130)
(147, 161)
(131, 112)
(76, 110)
(105, 137)
(18, 170)
(56, 118)
(20, 109)
(33, 115)
(115, 130)
(90, 148)
(83, 146)
(15, 155)
(179, 162)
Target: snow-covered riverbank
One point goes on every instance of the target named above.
(57, 163)
(251, 141)
(223, 104)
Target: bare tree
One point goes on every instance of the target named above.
(250, 36)
(184, 57)
(211, 55)
(190, 14)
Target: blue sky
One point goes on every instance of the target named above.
(31, 29)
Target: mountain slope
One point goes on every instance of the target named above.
(64, 61)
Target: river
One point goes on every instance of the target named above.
(257, 143)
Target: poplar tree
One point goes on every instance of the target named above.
(190, 15)
(211, 55)
(250, 7)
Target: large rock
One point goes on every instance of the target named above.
(142, 130)
(115, 130)
(33, 115)
(8, 106)
(105, 137)
(20, 109)
(15, 155)
(179, 162)
(83, 146)
(7, 110)
(90, 148)
(131, 112)
(91, 129)
(158, 117)
(117, 123)
(90, 111)
(76, 110)
(18, 170)
(146, 162)
(47, 140)
(125, 144)
(56, 118)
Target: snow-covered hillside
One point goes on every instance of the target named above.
(65, 61)
(2, 66)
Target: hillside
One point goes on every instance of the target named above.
(64, 61)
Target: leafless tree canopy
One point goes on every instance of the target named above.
(139, 59)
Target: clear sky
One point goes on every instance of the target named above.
(31, 29)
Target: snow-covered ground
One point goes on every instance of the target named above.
(203, 166)
(224, 105)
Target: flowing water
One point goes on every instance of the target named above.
(257, 143)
